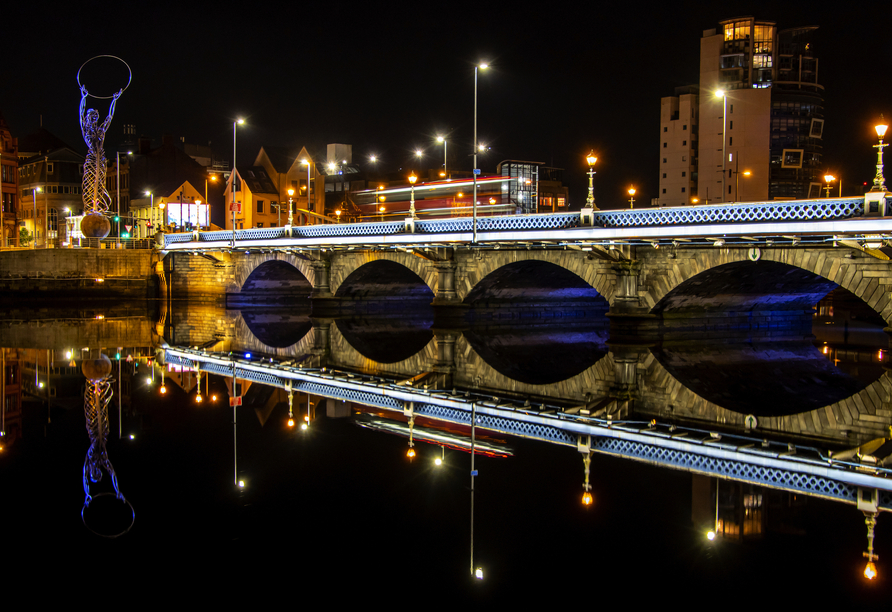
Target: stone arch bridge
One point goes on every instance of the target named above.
(674, 281)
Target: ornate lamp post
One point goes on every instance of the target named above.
(828, 178)
(879, 182)
(412, 179)
(590, 200)
(290, 207)
(631, 197)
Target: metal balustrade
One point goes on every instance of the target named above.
(749, 212)
(795, 210)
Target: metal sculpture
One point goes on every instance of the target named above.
(96, 198)
(97, 396)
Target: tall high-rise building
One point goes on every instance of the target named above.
(761, 138)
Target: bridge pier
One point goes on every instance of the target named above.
(445, 364)
(446, 294)
(322, 280)
(321, 339)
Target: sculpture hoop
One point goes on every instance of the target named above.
(108, 535)
(129, 78)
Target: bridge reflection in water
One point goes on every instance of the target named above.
(798, 411)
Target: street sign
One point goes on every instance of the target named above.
(476, 170)
(235, 401)
(235, 207)
(127, 227)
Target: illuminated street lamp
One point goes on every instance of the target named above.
(235, 125)
(290, 207)
(443, 140)
(476, 170)
(828, 178)
(879, 182)
(34, 236)
(412, 179)
(721, 94)
(631, 197)
(591, 160)
(306, 162)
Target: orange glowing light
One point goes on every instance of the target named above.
(870, 571)
(198, 399)
(410, 453)
(587, 498)
(290, 422)
(163, 390)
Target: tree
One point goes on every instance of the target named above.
(24, 236)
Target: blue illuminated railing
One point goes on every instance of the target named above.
(750, 212)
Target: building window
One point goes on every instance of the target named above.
(665, 129)
(664, 175)
(682, 189)
(684, 127)
(817, 128)
(260, 206)
(664, 160)
(684, 143)
(684, 158)
(665, 145)
(664, 191)
(49, 167)
(684, 174)
(730, 141)
(791, 158)
(731, 107)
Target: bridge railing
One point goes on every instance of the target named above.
(747, 212)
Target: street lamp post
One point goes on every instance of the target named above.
(828, 178)
(151, 209)
(443, 140)
(476, 170)
(34, 216)
(412, 179)
(879, 182)
(631, 197)
(232, 206)
(118, 185)
(590, 200)
(721, 94)
(290, 207)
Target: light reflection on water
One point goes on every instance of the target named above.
(348, 495)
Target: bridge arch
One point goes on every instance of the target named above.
(859, 273)
(344, 265)
(286, 268)
(853, 418)
(475, 267)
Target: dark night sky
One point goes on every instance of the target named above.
(387, 80)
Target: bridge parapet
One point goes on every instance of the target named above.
(830, 209)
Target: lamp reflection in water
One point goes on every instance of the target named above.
(410, 412)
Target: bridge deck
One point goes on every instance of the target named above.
(792, 221)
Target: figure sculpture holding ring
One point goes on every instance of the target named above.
(95, 195)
